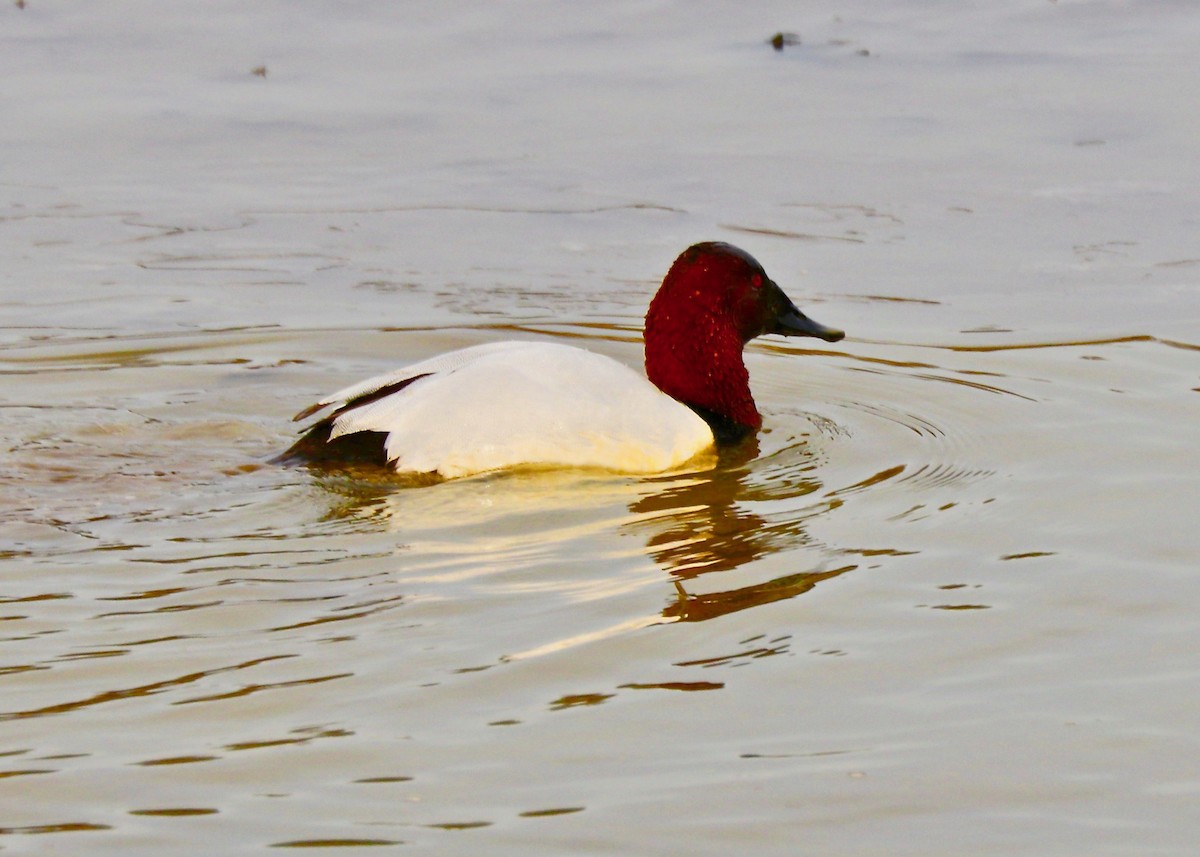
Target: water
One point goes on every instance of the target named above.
(944, 604)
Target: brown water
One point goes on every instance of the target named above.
(945, 604)
(953, 583)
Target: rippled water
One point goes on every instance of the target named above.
(945, 603)
(196, 639)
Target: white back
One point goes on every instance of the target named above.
(508, 403)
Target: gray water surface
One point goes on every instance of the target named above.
(947, 605)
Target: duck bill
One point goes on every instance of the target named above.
(792, 322)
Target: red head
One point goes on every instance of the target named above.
(714, 300)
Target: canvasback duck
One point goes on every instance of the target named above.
(503, 404)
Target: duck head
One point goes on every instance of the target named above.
(715, 299)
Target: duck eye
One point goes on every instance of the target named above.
(756, 281)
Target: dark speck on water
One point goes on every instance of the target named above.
(781, 40)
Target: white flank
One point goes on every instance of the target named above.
(510, 403)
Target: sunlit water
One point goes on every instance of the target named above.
(945, 602)
(912, 575)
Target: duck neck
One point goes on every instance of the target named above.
(703, 369)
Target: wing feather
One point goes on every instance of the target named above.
(349, 397)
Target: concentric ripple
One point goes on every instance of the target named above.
(242, 614)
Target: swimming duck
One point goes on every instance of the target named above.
(503, 404)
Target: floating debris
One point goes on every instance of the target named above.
(781, 40)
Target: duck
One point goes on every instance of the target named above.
(510, 404)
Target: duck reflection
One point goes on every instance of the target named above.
(709, 524)
(710, 605)
(743, 506)
(696, 525)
